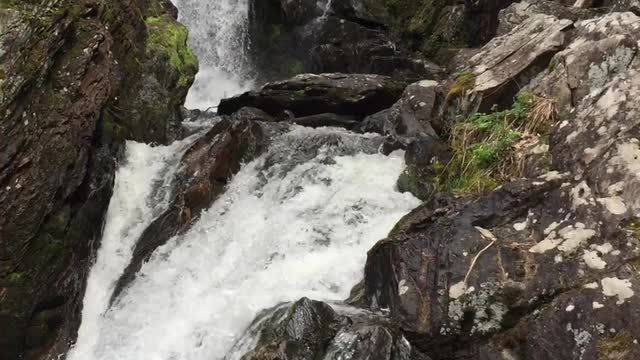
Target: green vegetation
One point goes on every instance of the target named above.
(633, 227)
(481, 147)
(463, 81)
(169, 38)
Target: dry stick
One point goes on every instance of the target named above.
(473, 263)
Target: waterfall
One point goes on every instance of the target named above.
(218, 37)
(297, 221)
(142, 191)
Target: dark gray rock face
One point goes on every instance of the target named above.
(78, 79)
(310, 329)
(293, 37)
(357, 95)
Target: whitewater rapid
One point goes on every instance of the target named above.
(298, 221)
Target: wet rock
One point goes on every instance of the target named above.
(206, 168)
(320, 120)
(475, 271)
(424, 157)
(70, 70)
(345, 46)
(252, 114)
(372, 13)
(356, 95)
(351, 36)
(311, 329)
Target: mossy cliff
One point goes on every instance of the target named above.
(77, 78)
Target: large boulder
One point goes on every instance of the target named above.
(74, 74)
(357, 95)
(509, 61)
(310, 329)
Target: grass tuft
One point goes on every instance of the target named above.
(483, 146)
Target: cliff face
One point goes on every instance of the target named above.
(77, 78)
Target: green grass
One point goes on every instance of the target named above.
(482, 148)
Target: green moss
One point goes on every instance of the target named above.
(481, 148)
(633, 227)
(463, 81)
(168, 38)
(15, 278)
(615, 347)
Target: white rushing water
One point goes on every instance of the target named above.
(217, 35)
(142, 191)
(297, 221)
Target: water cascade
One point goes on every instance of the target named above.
(295, 222)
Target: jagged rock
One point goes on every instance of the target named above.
(513, 59)
(357, 95)
(527, 254)
(409, 124)
(71, 72)
(602, 48)
(518, 12)
(310, 329)
(206, 168)
(423, 157)
(415, 114)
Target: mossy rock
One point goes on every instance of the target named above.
(168, 39)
